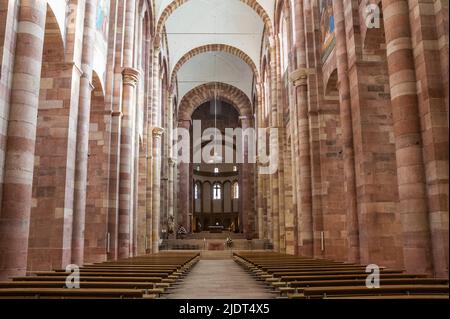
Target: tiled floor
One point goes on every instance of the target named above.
(219, 279)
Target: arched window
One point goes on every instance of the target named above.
(217, 191)
(266, 94)
(236, 190)
(294, 23)
(284, 45)
(196, 191)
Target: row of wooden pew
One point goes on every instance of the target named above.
(148, 277)
(306, 278)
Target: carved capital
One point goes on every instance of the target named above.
(299, 77)
(130, 76)
(172, 161)
(157, 131)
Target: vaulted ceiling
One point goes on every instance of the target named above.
(196, 23)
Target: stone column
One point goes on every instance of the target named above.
(113, 102)
(273, 120)
(347, 133)
(246, 187)
(260, 184)
(408, 142)
(171, 192)
(170, 160)
(299, 78)
(156, 198)
(130, 78)
(149, 192)
(433, 108)
(183, 185)
(84, 109)
(20, 143)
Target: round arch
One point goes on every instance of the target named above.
(213, 48)
(175, 4)
(205, 92)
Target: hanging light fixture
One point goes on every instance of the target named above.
(215, 158)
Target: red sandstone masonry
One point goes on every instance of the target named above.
(19, 159)
(79, 213)
(129, 82)
(408, 141)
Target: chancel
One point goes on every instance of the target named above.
(190, 149)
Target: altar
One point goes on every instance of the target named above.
(215, 229)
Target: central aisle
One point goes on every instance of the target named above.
(219, 279)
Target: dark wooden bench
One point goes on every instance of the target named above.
(148, 288)
(138, 277)
(96, 278)
(298, 286)
(70, 293)
(323, 292)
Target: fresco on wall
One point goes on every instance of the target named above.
(101, 22)
(327, 28)
(101, 38)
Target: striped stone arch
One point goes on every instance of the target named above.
(211, 48)
(175, 4)
(208, 91)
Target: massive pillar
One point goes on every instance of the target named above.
(19, 161)
(305, 235)
(408, 140)
(156, 198)
(274, 186)
(347, 134)
(304, 189)
(113, 100)
(427, 21)
(171, 194)
(84, 108)
(156, 134)
(130, 78)
(262, 224)
(246, 198)
(170, 163)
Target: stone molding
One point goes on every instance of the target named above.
(299, 77)
(130, 76)
(157, 131)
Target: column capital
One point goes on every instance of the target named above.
(299, 77)
(157, 131)
(172, 161)
(130, 76)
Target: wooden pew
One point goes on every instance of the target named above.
(297, 287)
(298, 277)
(146, 287)
(138, 277)
(324, 292)
(70, 293)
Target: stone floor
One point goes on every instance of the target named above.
(219, 279)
